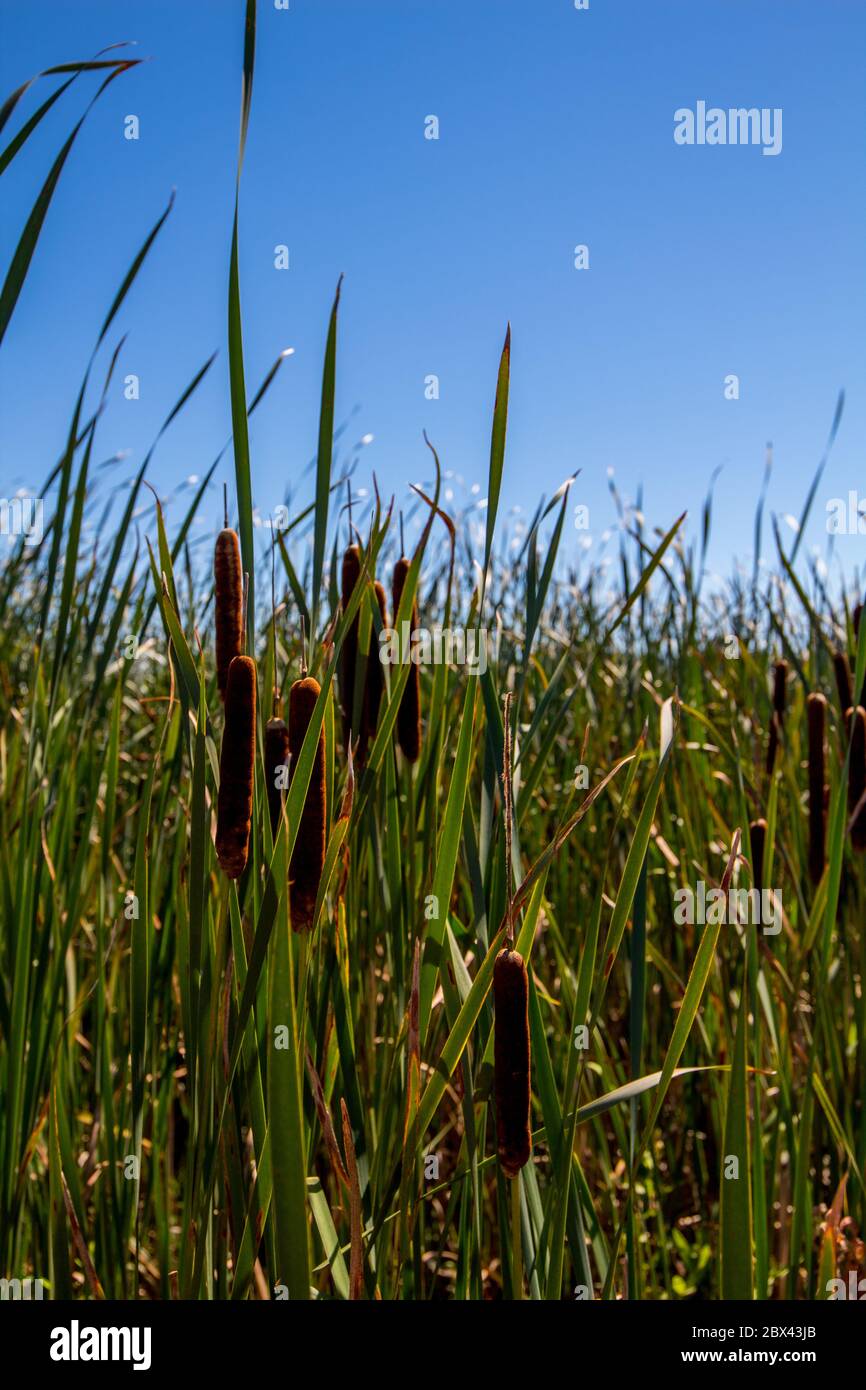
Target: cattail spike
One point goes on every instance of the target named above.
(374, 679)
(511, 1060)
(409, 712)
(857, 777)
(276, 767)
(780, 677)
(351, 572)
(856, 621)
(843, 680)
(237, 761)
(816, 712)
(758, 844)
(308, 855)
(228, 604)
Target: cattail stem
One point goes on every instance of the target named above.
(506, 795)
(516, 1242)
(275, 689)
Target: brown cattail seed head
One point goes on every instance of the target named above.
(816, 712)
(511, 1060)
(780, 676)
(228, 604)
(374, 679)
(857, 777)
(758, 841)
(349, 657)
(409, 713)
(843, 680)
(276, 761)
(237, 762)
(856, 621)
(308, 855)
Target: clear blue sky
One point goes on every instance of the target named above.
(556, 128)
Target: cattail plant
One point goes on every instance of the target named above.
(858, 610)
(276, 761)
(843, 680)
(237, 762)
(816, 714)
(857, 777)
(374, 680)
(308, 855)
(351, 573)
(758, 843)
(228, 603)
(409, 712)
(780, 677)
(276, 729)
(511, 1062)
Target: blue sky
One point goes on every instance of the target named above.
(556, 128)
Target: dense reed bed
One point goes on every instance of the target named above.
(489, 1061)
